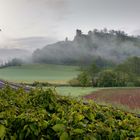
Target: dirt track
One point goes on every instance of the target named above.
(129, 97)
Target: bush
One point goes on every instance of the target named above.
(110, 78)
(40, 84)
(74, 82)
(137, 82)
(130, 84)
(84, 79)
(44, 115)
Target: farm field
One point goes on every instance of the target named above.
(129, 98)
(39, 72)
(75, 91)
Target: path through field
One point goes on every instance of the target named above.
(129, 97)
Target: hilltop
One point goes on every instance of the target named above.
(101, 46)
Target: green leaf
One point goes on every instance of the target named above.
(27, 133)
(2, 131)
(137, 138)
(25, 127)
(138, 132)
(21, 136)
(91, 116)
(78, 131)
(64, 136)
(13, 137)
(45, 124)
(90, 138)
(58, 127)
(32, 127)
(80, 117)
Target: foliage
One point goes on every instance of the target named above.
(93, 70)
(43, 115)
(136, 82)
(125, 74)
(107, 79)
(74, 82)
(84, 79)
(130, 66)
(40, 84)
(13, 62)
(110, 78)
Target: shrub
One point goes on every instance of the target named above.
(137, 82)
(110, 78)
(44, 115)
(40, 84)
(74, 82)
(84, 79)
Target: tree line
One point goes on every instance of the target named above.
(124, 74)
(13, 62)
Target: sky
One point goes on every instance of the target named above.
(51, 20)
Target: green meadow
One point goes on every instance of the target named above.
(59, 74)
(56, 74)
(75, 91)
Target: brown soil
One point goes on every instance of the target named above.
(127, 97)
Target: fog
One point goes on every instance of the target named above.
(32, 24)
(86, 48)
(8, 54)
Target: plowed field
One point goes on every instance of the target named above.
(127, 97)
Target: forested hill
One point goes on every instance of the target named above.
(99, 45)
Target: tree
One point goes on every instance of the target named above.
(93, 70)
(13, 62)
(130, 66)
(134, 65)
(84, 79)
(106, 79)
(110, 78)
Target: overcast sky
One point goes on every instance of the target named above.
(60, 18)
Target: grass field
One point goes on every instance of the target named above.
(39, 72)
(82, 91)
(75, 91)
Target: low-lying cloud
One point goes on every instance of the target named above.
(86, 48)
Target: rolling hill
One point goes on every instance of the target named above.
(97, 45)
